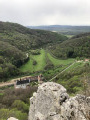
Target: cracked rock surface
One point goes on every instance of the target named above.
(51, 102)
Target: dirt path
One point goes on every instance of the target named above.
(6, 84)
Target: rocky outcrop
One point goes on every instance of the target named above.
(51, 102)
(12, 118)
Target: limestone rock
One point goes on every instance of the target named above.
(12, 118)
(51, 102)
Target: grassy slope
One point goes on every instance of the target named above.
(40, 59)
(41, 62)
(76, 65)
(58, 61)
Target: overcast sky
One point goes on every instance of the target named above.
(46, 12)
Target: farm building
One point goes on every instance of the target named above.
(23, 83)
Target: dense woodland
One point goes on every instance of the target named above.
(78, 46)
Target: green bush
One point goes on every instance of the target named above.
(34, 62)
(6, 113)
(35, 52)
(20, 105)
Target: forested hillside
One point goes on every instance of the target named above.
(10, 59)
(15, 41)
(78, 46)
(24, 38)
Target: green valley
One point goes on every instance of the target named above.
(40, 62)
(44, 59)
(68, 72)
(15, 42)
(26, 52)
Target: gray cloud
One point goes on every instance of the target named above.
(44, 12)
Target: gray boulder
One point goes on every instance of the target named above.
(12, 118)
(51, 102)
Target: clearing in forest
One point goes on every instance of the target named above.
(41, 62)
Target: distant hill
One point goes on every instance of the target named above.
(78, 46)
(64, 29)
(16, 40)
(24, 38)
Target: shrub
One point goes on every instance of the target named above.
(6, 113)
(35, 52)
(48, 66)
(20, 105)
(34, 62)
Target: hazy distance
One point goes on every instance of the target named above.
(45, 12)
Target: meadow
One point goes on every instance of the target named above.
(40, 62)
(57, 62)
(45, 60)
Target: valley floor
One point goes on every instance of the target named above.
(41, 62)
(57, 66)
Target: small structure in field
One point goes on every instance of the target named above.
(24, 82)
(86, 60)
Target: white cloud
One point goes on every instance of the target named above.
(44, 12)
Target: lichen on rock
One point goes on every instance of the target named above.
(51, 102)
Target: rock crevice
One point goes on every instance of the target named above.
(51, 102)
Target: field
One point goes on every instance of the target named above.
(42, 60)
(57, 62)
